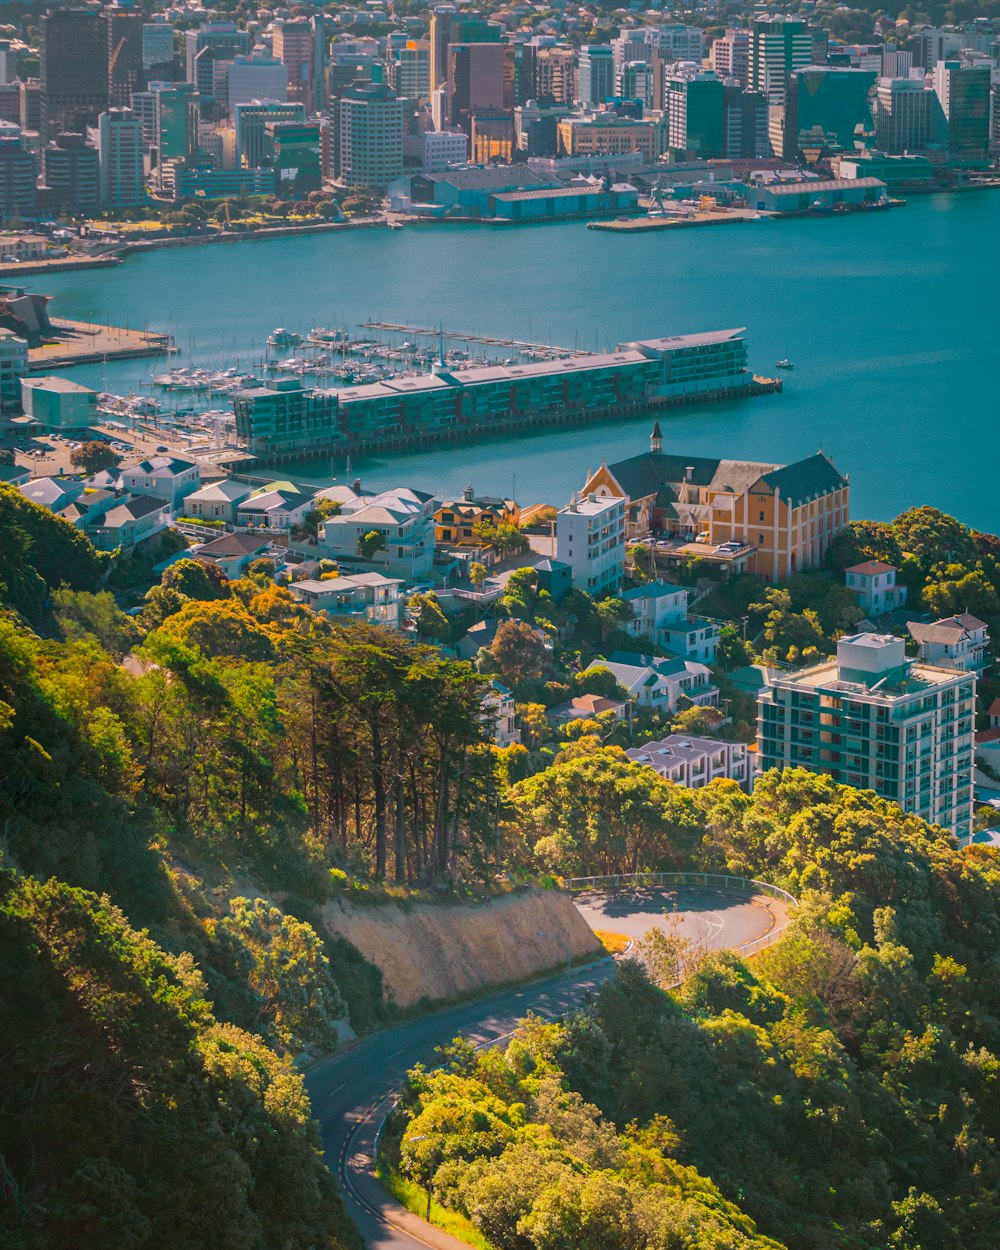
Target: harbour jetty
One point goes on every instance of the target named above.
(542, 351)
(68, 343)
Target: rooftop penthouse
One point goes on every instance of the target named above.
(445, 404)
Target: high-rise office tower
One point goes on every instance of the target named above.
(125, 68)
(176, 107)
(828, 107)
(908, 116)
(369, 137)
(964, 94)
(778, 47)
(70, 169)
(411, 76)
(448, 28)
(480, 80)
(120, 152)
(555, 75)
(293, 45)
(597, 75)
(73, 69)
(730, 56)
(157, 49)
(695, 109)
(214, 35)
(257, 77)
(18, 173)
(250, 123)
(745, 135)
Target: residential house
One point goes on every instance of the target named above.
(53, 493)
(873, 719)
(274, 508)
(234, 553)
(786, 515)
(660, 682)
(590, 538)
(14, 474)
(498, 709)
(357, 597)
(456, 520)
(874, 584)
(93, 503)
(481, 634)
(217, 501)
(403, 518)
(555, 577)
(694, 762)
(661, 613)
(960, 641)
(587, 707)
(163, 477)
(130, 522)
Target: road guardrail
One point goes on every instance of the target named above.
(707, 880)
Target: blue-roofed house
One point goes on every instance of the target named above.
(661, 613)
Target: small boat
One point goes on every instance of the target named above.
(283, 338)
(784, 363)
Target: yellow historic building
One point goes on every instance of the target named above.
(455, 521)
(785, 514)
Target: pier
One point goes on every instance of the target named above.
(545, 350)
(513, 423)
(68, 343)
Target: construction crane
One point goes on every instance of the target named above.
(114, 55)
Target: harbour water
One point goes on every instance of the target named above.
(890, 320)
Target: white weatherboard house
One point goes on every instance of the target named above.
(404, 520)
(659, 682)
(164, 477)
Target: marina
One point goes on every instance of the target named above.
(860, 324)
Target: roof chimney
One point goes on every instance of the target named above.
(357, 486)
(469, 494)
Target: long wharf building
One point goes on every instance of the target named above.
(444, 405)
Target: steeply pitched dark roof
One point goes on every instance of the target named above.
(805, 480)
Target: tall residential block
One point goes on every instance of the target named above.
(120, 152)
(369, 137)
(964, 94)
(555, 75)
(873, 719)
(590, 538)
(597, 75)
(73, 69)
(411, 71)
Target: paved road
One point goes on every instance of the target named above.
(350, 1091)
(709, 918)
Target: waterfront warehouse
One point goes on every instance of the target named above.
(410, 411)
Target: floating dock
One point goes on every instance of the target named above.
(539, 349)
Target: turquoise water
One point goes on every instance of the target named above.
(890, 318)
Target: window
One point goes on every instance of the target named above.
(760, 515)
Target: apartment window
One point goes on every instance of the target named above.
(760, 515)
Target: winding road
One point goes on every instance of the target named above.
(351, 1091)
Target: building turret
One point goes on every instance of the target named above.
(656, 440)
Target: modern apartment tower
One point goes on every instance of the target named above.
(873, 719)
(730, 56)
